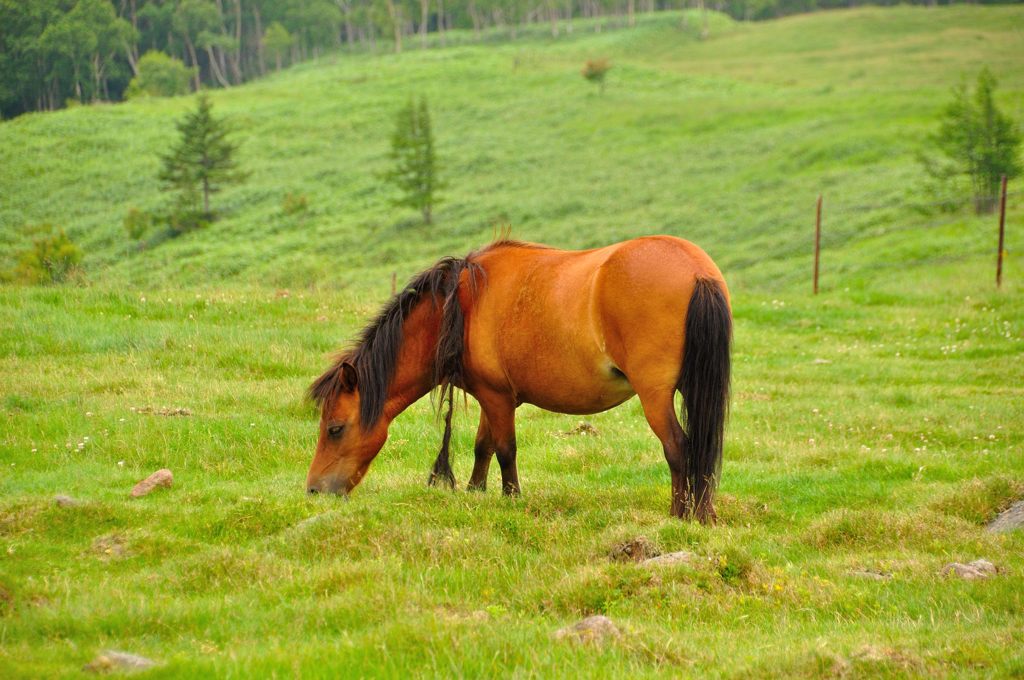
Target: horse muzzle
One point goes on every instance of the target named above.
(334, 485)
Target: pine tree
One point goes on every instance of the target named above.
(201, 163)
(412, 150)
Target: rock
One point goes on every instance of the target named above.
(669, 559)
(871, 574)
(584, 428)
(162, 477)
(634, 550)
(1009, 519)
(972, 570)
(111, 661)
(593, 629)
(110, 546)
(63, 501)
(163, 410)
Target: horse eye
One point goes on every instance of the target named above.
(335, 431)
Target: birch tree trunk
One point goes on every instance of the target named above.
(424, 15)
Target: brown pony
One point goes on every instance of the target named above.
(568, 331)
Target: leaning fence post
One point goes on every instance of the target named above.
(1002, 231)
(817, 244)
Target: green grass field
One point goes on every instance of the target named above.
(875, 427)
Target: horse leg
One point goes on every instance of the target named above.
(500, 411)
(482, 452)
(659, 409)
(507, 461)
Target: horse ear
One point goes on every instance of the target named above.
(349, 378)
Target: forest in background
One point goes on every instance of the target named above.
(55, 53)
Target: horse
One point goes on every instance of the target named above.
(575, 332)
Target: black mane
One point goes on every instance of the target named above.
(375, 354)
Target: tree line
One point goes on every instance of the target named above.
(58, 52)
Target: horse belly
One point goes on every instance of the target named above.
(579, 395)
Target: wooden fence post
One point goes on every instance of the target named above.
(394, 282)
(1002, 231)
(817, 244)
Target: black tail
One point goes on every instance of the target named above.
(448, 360)
(442, 472)
(704, 383)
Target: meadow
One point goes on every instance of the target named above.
(875, 428)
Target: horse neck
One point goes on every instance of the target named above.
(414, 373)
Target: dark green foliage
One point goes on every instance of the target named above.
(88, 39)
(979, 144)
(415, 163)
(53, 258)
(595, 70)
(159, 75)
(199, 165)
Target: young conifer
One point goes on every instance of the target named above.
(415, 164)
(199, 165)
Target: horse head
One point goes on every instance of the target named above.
(346, 445)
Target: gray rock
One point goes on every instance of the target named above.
(112, 661)
(162, 477)
(1009, 519)
(110, 546)
(634, 550)
(593, 629)
(583, 428)
(972, 570)
(870, 574)
(669, 559)
(64, 501)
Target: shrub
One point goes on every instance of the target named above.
(53, 258)
(978, 144)
(294, 203)
(595, 70)
(137, 222)
(160, 75)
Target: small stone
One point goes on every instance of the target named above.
(583, 428)
(162, 477)
(110, 546)
(669, 559)
(822, 361)
(870, 574)
(972, 570)
(64, 501)
(1009, 519)
(593, 629)
(634, 550)
(111, 661)
(163, 410)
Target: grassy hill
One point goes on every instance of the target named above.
(726, 141)
(874, 430)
